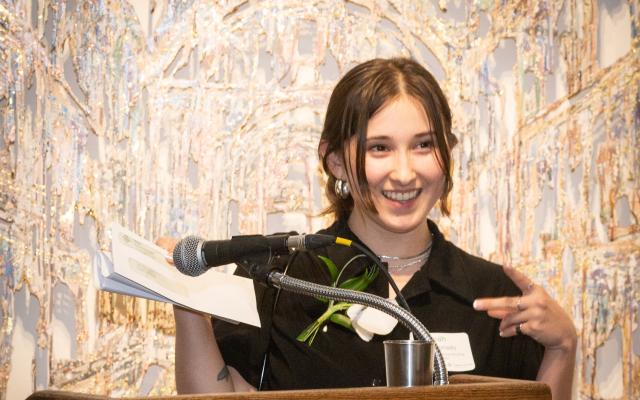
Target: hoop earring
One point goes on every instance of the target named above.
(341, 189)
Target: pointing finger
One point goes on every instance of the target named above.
(521, 280)
(500, 313)
(495, 303)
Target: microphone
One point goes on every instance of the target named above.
(193, 255)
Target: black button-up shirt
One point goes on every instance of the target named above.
(440, 295)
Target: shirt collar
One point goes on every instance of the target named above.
(444, 268)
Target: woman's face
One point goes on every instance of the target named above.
(401, 166)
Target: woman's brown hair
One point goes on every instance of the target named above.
(363, 91)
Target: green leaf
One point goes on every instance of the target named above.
(309, 333)
(361, 282)
(341, 320)
(331, 266)
(306, 333)
(353, 283)
(313, 337)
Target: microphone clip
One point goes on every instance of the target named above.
(257, 269)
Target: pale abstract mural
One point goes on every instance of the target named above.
(174, 117)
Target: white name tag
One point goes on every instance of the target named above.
(456, 350)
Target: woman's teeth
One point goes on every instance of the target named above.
(401, 196)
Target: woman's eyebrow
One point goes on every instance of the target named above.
(419, 135)
(379, 137)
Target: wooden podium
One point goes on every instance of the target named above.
(462, 387)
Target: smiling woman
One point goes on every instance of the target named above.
(364, 97)
(403, 175)
(386, 146)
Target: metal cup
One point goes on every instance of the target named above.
(409, 362)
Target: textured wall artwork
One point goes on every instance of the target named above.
(180, 116)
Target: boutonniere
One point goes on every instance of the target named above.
(364, 321)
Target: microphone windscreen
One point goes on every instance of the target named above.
(185, 256)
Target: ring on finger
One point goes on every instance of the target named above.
(519, 329)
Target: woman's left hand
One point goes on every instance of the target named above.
(534, 313)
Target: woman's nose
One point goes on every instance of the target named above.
(403, 170)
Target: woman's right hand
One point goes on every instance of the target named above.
(168, 243)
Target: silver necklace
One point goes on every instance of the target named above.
(398, 263)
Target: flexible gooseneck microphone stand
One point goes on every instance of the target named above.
(287, 283)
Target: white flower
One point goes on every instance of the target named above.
(367, 321)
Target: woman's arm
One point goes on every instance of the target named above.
(200, 367)
(557, 368)
(537, 315)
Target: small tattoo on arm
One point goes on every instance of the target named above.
(223, 374)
